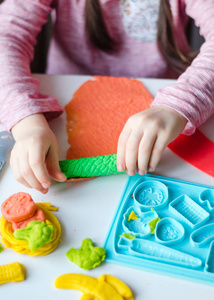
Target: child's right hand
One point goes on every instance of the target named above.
(35, 155)
(145, 136)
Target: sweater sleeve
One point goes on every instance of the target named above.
(21, 21)
(193, 93)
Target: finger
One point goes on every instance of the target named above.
(121, 149)
(38, 166)
(132, 146)
(144, 152)
(16, 172)
(27, 173)
(52, 163)
(157, 151)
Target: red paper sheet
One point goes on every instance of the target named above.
(196, 149)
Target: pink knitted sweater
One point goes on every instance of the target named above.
(71, 53)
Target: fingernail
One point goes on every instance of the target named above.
(141, 172)
(45, 185)
(44, 191)
(131, 172)
(120, 168)
(151, 169)
(64, 177)
(60, 175)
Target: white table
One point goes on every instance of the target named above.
(86, 210)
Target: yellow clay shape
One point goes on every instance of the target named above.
(13, 272)
(132, 216)
(119, 285)
(105, 287)
(79, 282)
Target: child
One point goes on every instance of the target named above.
(140, 38)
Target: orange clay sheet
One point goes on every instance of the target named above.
(98, 111)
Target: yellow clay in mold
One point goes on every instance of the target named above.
(132, 216)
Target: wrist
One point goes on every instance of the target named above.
(29, 124)
(176, 113)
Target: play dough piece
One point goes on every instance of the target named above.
(90, 166)
(18, 207)
(13, 272)
(128, 236)
(49, 206)
(132, 216)
(105, 287)
(119, 286)
(1, 248)
(38, 216)
(87, 256)
(98, 112)
(22, 246)
(37, 234)
(153, 224)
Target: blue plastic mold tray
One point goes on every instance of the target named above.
(164, 225)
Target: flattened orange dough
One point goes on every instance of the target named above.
(98, 112)
(78, 179)
(18, 207)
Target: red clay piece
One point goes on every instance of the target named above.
(38, 216)
(18, 207)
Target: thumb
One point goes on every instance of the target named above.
(52, 164)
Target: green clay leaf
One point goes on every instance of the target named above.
(37, 234)
(87, 256)
(128, 236)
(153, 224)
(1, 248)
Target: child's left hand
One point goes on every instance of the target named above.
(145, 136)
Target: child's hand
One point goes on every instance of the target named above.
(35, 155)
(145, 136)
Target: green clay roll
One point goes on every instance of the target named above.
(90, 166)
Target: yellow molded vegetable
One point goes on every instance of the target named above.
(105, 287)
(13, 272)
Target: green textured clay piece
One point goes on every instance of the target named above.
(1, 248)
(90, 166)
(37, 234)
(87, 256)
